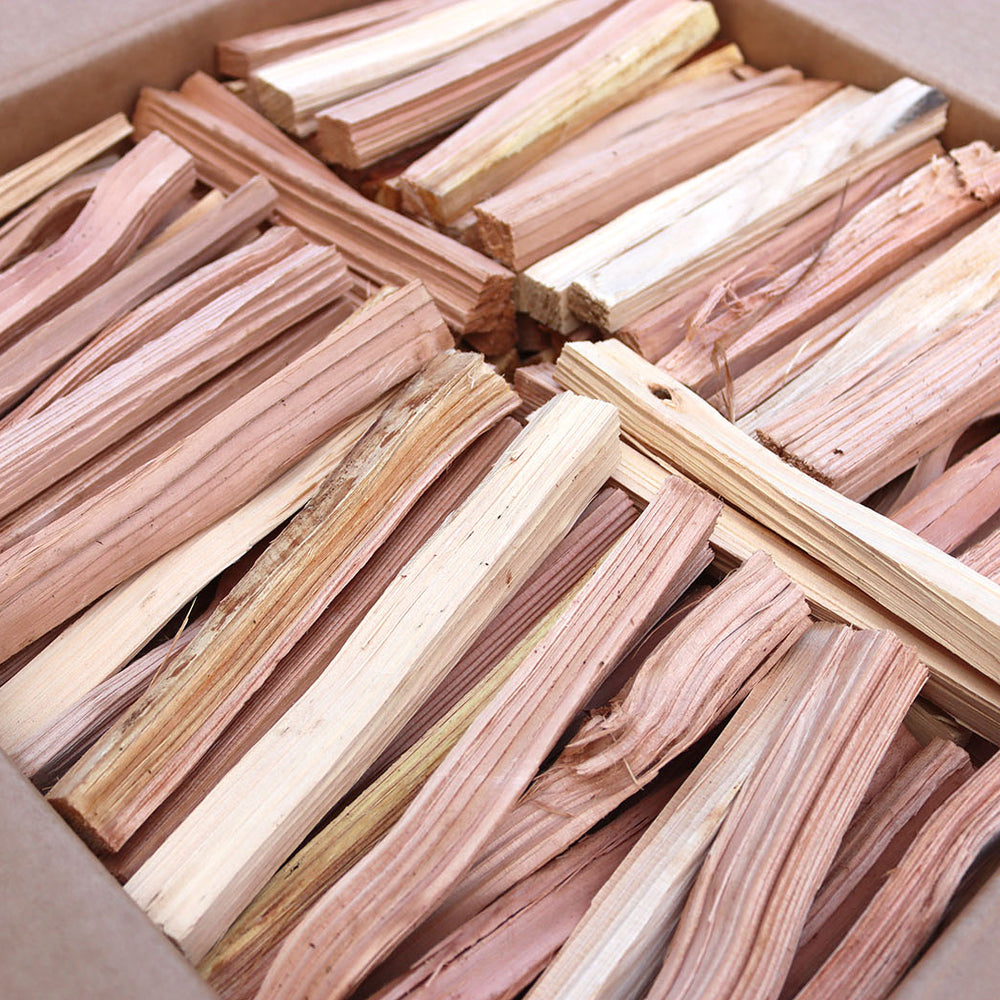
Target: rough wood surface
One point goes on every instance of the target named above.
(615, 62)
(984, 556)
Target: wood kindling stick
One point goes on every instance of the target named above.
(37, 451)
(984, 556)
(291, 91)
(22, 184)
(461, 804)
(141, 760)
(919, 211)
(627, 53)
(108, 634)
(362, 130)
(38, 352)
(638, 268)
(199, 207)
(127, 204)
(473, 291)
(83, 553)
(251, 820)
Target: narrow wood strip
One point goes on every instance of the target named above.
(536, 385)
(473, 292)
(362, 130)
(664, 326)
(82, 554)
(28, 181)
(200, 208)
(482, 776)
(886, 938)
(984, 556)
(616, 61)
(914, 215)
(263, 807)
(37, 353)
(639, 268)
(137, 763)
(527, 221)
(127, 204)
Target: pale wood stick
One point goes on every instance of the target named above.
(616, 61)
(782, 831)
(310, 759)
(931, 591)
(37, 451)
(984, 556)
(693, 235)
(495, 759)
(20, 185)
(238, 56)
(928, 722)
(82, 554)
(291, 91)
(865, 439)
(473, 291)
(664, 326)
(125, 207)
(37, 353)
(914, 215)
(526, 222)
(886, 938)
(116, 627)
(136, 764)
(873, 845)
(198, 210)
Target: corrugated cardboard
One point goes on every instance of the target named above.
(66, 929)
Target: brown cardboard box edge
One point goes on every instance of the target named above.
(66, 928)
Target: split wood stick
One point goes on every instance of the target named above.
(526, 222)
(782, 831)
(865, 438)
(663, 327)
(685, 686)
(251, 820)
(82, 554)
(109, 633)
(238, 56)
(931, 591)
(26, 182)
(627, 53)
(363, 130)
(886, 938)
(125, 207)
(200, 208)
(473, 291)
(37, 353)
(48, 217)
(291, 91)
(984, 556)
(501, 950)
(640, 268)
(137, 763)
(536, 385)
(873, 845)
(482, 776)
(616, 949)
(914, 215)
(39, 450)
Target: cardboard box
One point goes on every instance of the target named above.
(66, 928)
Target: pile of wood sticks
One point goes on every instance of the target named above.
(647, 671)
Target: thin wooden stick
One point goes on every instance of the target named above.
(984, 556)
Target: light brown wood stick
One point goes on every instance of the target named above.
(873, 845)
(664, 326)
(616, 61)
(473, 291)
(20, 185)
(527, 221)
(984, 556)
(291, 91)
(886, 938)
(39, 450)
(133, 768)
(497, 756)
(251, 820)
(37, 353)
(82, 554)
(914, 215)
(125, 207)
(198, 208)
